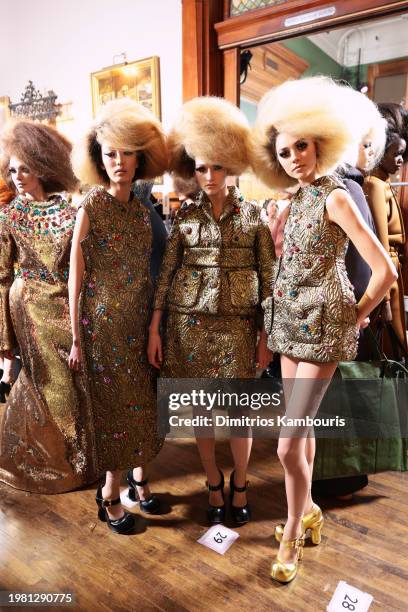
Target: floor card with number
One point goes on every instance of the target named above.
(124, 498)
(218, 538)
(347, 597)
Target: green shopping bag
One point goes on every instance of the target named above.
(375, 395)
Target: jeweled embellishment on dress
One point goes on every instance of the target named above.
(312, 315)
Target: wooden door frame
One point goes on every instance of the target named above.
(260, 25)
(202, 60)
(387, 68)
(212, 41)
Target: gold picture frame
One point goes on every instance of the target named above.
(139, 80)
(4, 110)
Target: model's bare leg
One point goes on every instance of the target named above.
(310, 451)
(111, 490)
(311, 381)
(241, 450)
(206, 449)
(139, 474)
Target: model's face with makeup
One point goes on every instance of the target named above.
(26, 183)
(120, 164)
(365, 155)
(393, 160)
(297, 156)
(212, 178)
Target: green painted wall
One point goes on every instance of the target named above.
(249, 109)
(319, 62)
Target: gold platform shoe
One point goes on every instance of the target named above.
(312, 520)
(285, 572)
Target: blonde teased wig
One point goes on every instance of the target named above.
(372, 127)
(42, 149)
(212, 130)
(122, 124)
(316, 108)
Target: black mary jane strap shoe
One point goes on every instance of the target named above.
(240, 514)
(216, 514)
(124, 525)
(151, 505)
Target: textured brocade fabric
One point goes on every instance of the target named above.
(213, 278)
(312, 315)
(115, 307)
(213, 261)
(45, 442)
(208, 346)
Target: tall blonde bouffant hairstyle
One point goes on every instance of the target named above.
(122, 124)
(372, 127)
(42, 149)
(314, 107)
(210, 129)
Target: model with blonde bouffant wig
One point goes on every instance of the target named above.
(110, 292)
(303, 131)
(216, 271)
(45, 441)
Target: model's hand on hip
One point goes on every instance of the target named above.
(364, 323)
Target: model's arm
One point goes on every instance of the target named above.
(342, 210)
(171, 262)
(265, 256)
(375, 194)
(76, 274)
(7, 257)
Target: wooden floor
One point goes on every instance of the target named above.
(56, 544)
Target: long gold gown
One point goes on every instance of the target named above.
(115, 308)
(45, 441)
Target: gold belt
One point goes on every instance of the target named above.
(220, 258)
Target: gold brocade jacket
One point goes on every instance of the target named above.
(217, 268)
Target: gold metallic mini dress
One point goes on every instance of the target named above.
(213, 278)
(312, 315)
(45, 439)
(115, 308)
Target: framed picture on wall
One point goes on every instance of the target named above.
(139, 81)
(4, 110)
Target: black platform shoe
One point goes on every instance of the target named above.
(151, 505)
(4, 392)
(124, 525)
(240, 514)
(216, 514)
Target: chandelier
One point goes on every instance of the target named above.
(33, 105)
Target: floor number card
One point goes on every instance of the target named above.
(349, 598)
(124, 498)
(218, 538)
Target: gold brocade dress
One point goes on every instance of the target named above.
(45, 442)
(213, 278)
(313, 314)
(115, 308)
